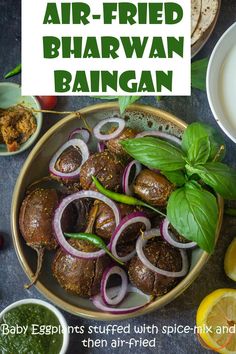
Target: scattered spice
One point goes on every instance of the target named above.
(17, 124)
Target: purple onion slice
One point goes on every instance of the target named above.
(136, 217)
(58, 216)
(99, 303)
(127, 188)
(76, 143)
(108, 300)
(80, 133)
(97, 129)
(170, 238)
(141, 242)
(159, 134)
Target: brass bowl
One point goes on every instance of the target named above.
(36, 166)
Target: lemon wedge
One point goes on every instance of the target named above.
(216, 321)
(230, 261)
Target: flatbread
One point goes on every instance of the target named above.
(208, 14)
(196, 6)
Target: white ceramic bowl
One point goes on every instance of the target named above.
(214, 83)
(50, 307)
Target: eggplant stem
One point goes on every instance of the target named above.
(40, 254)
(89, 229)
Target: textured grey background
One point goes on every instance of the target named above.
(182, 311)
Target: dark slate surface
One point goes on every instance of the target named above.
(180, 312)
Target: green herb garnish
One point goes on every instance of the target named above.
(198, 74)
(122, 198)
(191, 209)
(13, 72)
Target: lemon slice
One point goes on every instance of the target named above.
(230, 261)
(216, 321)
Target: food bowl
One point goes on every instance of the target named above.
(36, 166)
(50, 307)
(10, 95)
(221, 83)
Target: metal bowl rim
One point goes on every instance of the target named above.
(73, 309)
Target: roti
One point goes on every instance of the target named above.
(196, 12)
(208, 13)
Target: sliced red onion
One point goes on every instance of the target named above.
(151, 233)
(133, 218)
(139, 248)
(101, 146)
(170, 238)
(127, 189)
(122, 290)
(84, 153)
(80, 133)
(58, 216)
(98, 127)
(99, 303)
(159, 134)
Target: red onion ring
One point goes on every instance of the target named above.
(170, 238)
(98, 302)
(125, 222)
(101, 146)
(58, 216)
(85, 155)
(159, 134)
(122, 290)
(151, 233)
(127, 189)
(83, 133)
(97, 128)
(139, 248)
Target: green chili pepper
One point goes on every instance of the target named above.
(94, 240)
(122, 198)
(230, 211)
(13, 72)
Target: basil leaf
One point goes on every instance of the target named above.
(193, 212)
(198, 74)
(196, 131)
(176, 177)
(199, 152)
(125, 101)
(219, 176)
(155, 153)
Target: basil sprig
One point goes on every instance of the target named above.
(199, 152)
(191, 209)
(219, 176)
(193, 212)
(176, 177)
(198, 135)
(155, 153)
